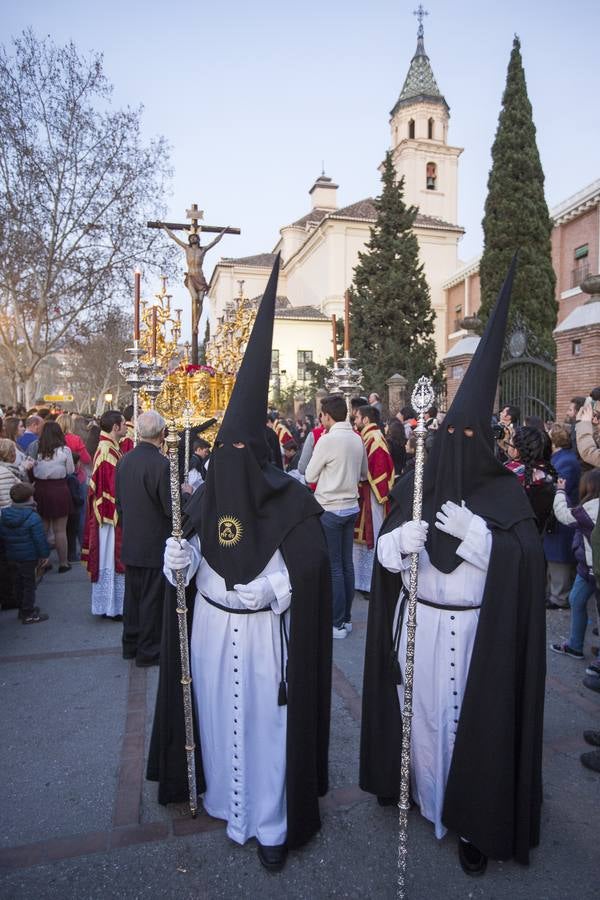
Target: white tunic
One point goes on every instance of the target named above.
(236, 671)
(362, 557)
(109, 591)
(443, 646)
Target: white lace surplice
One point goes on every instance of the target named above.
(443, 647)
(236, 671)
(108, 592)
(362, 557)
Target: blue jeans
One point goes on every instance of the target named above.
(581, 592)
(339, 533)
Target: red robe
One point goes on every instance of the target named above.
(102, 507)
(283, 433)
(127, 443)
(380, 482)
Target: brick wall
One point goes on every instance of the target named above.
(455, 370)
(576, 374)
(566, 238)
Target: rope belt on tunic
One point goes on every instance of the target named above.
(283, 640)
(396, 671)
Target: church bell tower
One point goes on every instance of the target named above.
(420, 151)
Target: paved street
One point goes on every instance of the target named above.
(79, 821)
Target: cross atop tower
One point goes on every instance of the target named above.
(420, 13)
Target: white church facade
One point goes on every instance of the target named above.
(319, 251)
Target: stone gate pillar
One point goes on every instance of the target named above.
(396, 393)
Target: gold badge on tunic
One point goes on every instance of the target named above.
(230, 531)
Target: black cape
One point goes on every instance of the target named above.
(494, 790)
(308, 688)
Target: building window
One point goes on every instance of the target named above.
(581, 252)
(431, 176)
(304, 356)
(457, 372)
(430, 129)
(576, 348)
(457, 317)
(274, 362)
(411, 128)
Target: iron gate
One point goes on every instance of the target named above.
(526, 380)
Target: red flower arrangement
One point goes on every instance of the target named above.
(191, 370)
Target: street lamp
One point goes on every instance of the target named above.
(108, 399)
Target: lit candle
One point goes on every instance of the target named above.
(347, 323)
(154, 332)
(136, 305)
(334, 328)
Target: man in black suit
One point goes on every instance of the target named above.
(144, 507)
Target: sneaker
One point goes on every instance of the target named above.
(566, 651)
(339, 633)
(34, 618)
(593, 669)
(23, 615)
(348, 627)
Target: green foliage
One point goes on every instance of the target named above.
(202, 347)
(318, 373)
(392, 323)
(516, 215)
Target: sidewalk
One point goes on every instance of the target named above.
(79, 820)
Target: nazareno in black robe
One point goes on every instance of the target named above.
(494, 789)
(308, 689)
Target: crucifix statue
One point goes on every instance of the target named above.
(194, 279)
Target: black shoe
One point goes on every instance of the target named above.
(550, 604)
(472, 860)
(146, 663)
(387, 801)
(591, 760)
(595, 631)
(128, 654)
(592, 737)
(272, 858)
(592, 682)
(63, 569)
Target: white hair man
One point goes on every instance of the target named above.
(144, 506)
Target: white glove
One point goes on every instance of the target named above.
(411, 536)
(178, 555)
(454, 519)
(257, 594)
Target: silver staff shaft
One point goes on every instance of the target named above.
(187, 421)
(184, 649)
(422, 398)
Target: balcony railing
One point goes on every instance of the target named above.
(579, 274)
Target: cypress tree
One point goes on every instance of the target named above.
(516, 215)
(392, 322)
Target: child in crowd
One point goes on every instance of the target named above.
(582, 518)
(25, 545)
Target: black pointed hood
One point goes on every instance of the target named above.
(247, 506)
(462, 464)
(245, 416)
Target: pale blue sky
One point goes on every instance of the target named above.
(253, 95)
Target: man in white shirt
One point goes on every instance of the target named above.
(338, 463)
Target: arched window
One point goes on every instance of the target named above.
(411, 128)
(430, 129)
(431, 176)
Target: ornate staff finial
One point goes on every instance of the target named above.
(420, 13)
